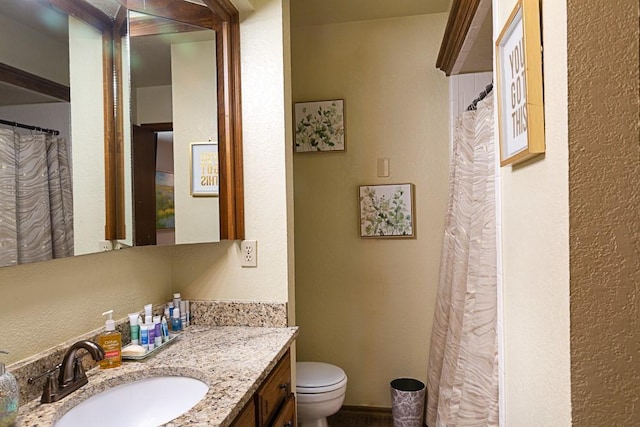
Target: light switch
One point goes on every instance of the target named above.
(383, 167)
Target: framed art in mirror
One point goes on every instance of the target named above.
(519, 85)
(204, 169)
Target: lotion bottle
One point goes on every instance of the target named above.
(8, 397)
(134, 328)
(111, 342)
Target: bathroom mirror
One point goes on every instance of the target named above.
(169, 76)
(180, 72)
(94, 107)
(52, 195)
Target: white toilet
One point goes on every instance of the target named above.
(320, 389)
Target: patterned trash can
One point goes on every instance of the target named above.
(407, 402)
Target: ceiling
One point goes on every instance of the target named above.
(38, 17)
(320, 12)
(41, 19)
(478, 47)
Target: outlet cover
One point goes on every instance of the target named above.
(105, 245)
(249, 249)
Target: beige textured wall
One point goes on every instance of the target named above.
(87, 131)
(535, 274)
(212, 271)
(367, 305)
(193, 84)
(47, 303)
(604, 172)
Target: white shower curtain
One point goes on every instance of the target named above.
(462, 376)
(36, 206)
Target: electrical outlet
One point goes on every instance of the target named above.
(119, 245)
(249, 249)
(105, 245)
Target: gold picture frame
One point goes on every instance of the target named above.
(319, 126)
(387, 211)
(519, 85)
(203, 167)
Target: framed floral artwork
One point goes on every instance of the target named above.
(387, 211)
(319, 126)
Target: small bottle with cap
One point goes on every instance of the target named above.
(111, 342)
(176, 322)
(8, 396)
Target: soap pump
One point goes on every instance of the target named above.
(111, 342)
(8, 396)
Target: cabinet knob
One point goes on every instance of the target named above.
(284, 386)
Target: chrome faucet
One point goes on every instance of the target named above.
(71, 376)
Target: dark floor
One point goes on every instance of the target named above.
(349, 417)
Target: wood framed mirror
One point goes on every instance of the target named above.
(102, 18)
(172, 20)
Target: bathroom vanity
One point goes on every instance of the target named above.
(273, 404)
(247, 369)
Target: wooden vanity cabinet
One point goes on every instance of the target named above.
(273, 405)
(287, 416)
(247, 417)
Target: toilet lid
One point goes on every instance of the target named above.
(317, 377)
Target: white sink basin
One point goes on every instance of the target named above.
(147, 402)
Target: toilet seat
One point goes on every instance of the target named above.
(317, 377)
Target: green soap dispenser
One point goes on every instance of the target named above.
(8, 397)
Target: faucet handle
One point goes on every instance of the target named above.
(48, 372)
(78, 369)
(50, 386)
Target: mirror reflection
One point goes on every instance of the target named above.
(173, 104)
(51, 134)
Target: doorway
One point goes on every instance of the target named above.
(153, 187)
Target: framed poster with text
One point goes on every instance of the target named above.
(519, 88)
(204, 169)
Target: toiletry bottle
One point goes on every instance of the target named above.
(147, 311)
(111, 342)
(188, 304)
(165, 330)
(134, 327)
(167, 316)
(171, 308)
(176, 323)
(176, 300)
(152, 335)
(157, 326)
(8, 397)
(144, 336)
(183, 314)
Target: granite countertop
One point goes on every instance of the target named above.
(232, 360)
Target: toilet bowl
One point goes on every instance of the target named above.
(320, 390)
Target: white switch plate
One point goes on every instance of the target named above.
(383, 167)
(249, 249)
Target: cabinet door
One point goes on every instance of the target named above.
(247, 417)
(287, 416)
(274, 391)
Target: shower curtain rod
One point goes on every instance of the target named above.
(23, 126)
(487, 90)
